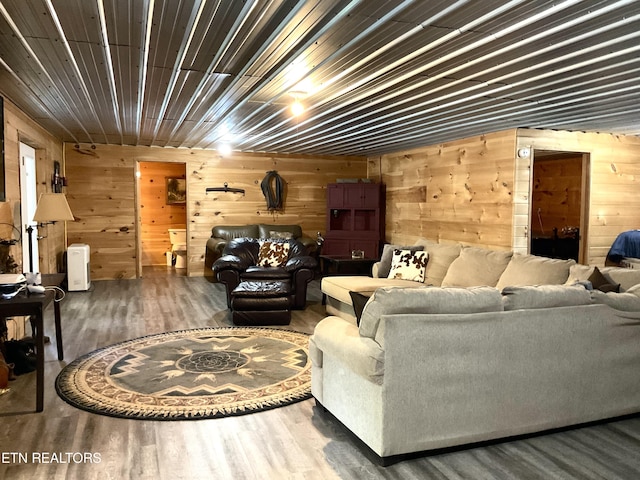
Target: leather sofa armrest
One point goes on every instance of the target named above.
(230, 262)
(309, 243)
(216, 244)
(301, 261)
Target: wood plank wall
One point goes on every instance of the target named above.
(614, 192)
(20, 128)
(456, 191)
(477, 191)
(102, 190)
(156, 216)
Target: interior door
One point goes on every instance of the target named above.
(28, 202)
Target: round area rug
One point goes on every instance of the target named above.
(191, 374)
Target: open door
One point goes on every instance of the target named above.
(559, 204)
(28, 202)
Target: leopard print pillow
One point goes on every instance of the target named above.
(273, 254)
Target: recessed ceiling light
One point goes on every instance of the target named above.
(297, 108)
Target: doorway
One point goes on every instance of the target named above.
(559, 204)
(159, 210)
(28, 202)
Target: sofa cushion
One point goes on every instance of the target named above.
(441, 255)
(338, 287)
(234, 231)
(273, 254)
(626, 277)
(476, 266)
(280, 235)
(628, 301)
(390, 300)
(579, 273)
(265, 230)
(387, 254)
(544, 296)
(534, 270)
(408, 265)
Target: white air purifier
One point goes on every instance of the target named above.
(78, 271)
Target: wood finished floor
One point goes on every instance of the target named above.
(294, 442)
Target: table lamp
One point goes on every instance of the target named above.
(51, 208)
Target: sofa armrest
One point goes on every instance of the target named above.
(374, 269)
(335, 337)
(212, 252)
(216, 245)
(309, 243)
(230, 262)
(301, 261)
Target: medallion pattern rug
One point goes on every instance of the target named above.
(191, 374)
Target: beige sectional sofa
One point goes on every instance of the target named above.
(509, 344)
(430, 368)
(456, 265)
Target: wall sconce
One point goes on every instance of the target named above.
(57, 180)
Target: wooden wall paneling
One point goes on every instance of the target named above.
(478, 191)
(101, 194)
(305, 201)
(306, 178)
(614, 181)
(20, 128)
(459, 191)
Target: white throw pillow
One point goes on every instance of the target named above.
(408, 265)
(384, 266)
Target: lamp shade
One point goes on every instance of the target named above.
(52, 207)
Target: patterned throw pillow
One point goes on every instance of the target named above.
(408, 265)
(273, 254)
(280, 235)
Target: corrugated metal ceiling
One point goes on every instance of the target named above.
(374, 76)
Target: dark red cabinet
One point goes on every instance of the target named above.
(355, 219)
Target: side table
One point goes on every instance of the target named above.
(33, 305)
(340, 265)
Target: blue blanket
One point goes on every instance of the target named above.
(626, 245)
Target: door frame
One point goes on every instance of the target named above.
(583, 254)
(28, 204)
(138, 208)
